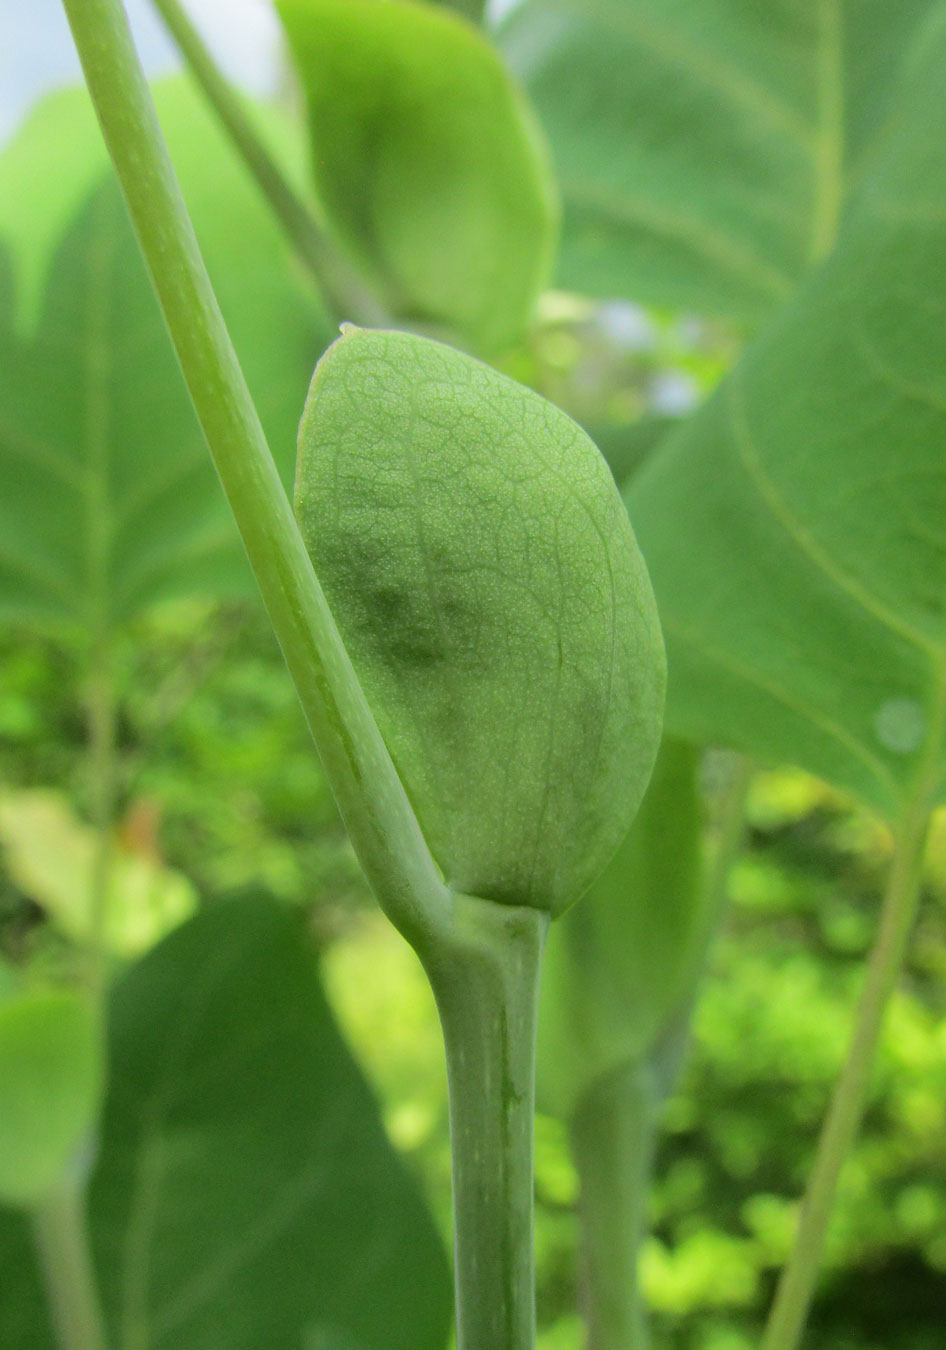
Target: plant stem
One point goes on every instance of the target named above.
(371, 797)
(613, 1135)
(486, 985)
(103, 776)
(732, 834)
(613, 1127)
(670, 1045)
(345, 293)
(797, 1283)
(62, 1240)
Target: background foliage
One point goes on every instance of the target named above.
(219, 792)
(229, 794)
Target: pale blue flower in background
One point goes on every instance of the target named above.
(673, 392)
(627, 325)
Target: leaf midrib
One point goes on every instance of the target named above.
(687, 231)
(829, 143)
(738, 88)
(799, 534)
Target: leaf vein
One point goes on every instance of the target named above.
(707, 244)
(801, 536)
(875, 766)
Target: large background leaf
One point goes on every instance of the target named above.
(108, 500)
(245, 1195)
(705, 147)
(794, 528)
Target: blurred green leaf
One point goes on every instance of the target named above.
(516, 670)
(51, 1074)
(627, 445)
(428, 161)
(245, 1195)
(108, 500)
(619, 964)
(704, 150)
(51, 856)
(9, 979)
(794, 526)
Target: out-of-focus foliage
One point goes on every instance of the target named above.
(108, 500)
(618, 966)
(805, 614)
(51, 1074)
(218, 777)
(704, 150)
(621, 369)
(721, 185)
(50, 856)
(428, 161)
(231, 792)
(770, 1034)
(244, 1192)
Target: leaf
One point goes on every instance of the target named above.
(704, 150)
(51, 1075)
(794, 527)
(51, 856)
(428, 161)
(486, 583)
(627, 445)
(108, 500)
(9, 979)
(618, 966)
(245, 1195)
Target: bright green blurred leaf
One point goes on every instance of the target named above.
(52, 857)
(108, 500)
(704, 150)
(486, 582)
(619, 965)
(706, 1269)
(428, 161)
(9, 979)
(50, 1085)
(245, 1195)
(795, 526)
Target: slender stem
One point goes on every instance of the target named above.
(345, 293)
(613, 1136)
(103, 776)
(371, 797)
(732, 834)
(62, 1241)
(614, 1124)
(797, 1283)
(486, 987)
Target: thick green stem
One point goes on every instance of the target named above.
(797, 1284)
(613, 1135)
(486, 985)
(380, 821)
(345, 293)
(62, 1241)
